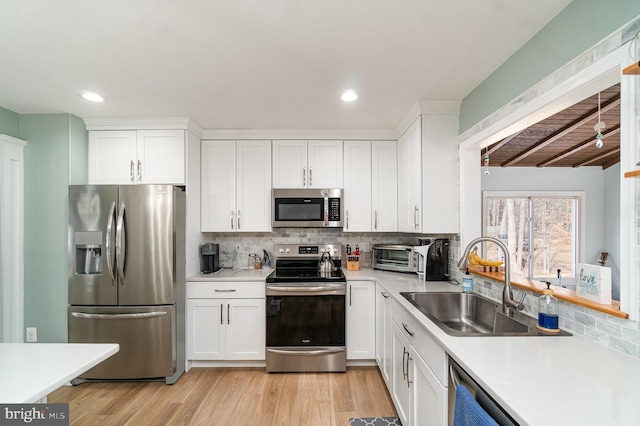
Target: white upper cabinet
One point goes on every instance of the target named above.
(357, 186)
(410, 179)
(129, 157)
(236, 186)
(384, 186)
(307, 164)
(428, 172)
(370, 186)
(440, 174)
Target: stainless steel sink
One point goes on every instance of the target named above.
(469, 314)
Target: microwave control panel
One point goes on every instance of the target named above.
(334, 209)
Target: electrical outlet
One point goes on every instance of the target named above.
(32, 334)
(238, 248)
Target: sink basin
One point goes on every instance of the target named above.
(469, 314)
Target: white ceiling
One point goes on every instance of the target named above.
(259, 64)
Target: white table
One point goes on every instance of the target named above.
(30, 371)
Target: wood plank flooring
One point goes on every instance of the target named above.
(232, 396)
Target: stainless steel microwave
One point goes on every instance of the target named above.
(307, 208)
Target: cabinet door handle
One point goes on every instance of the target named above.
(310, 177)
(409, 381)
(407, 330)
(131, 171)
(231, 219)
(375, 219)
(238, 219)
(221, 309)
(139, 171)
(304, 176)
(350, 287)
(231, 290)
(347, 217)
(415, 216)
(228, 315)
(404, 365)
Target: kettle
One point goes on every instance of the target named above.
(325, 265)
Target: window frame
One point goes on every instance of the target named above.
(580, 214)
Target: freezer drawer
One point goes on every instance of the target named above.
(145, 335)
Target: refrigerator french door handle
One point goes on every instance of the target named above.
(107, 242)
(140, 315)
(120, 248)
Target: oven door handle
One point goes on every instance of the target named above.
(307, 352)
(305, 291)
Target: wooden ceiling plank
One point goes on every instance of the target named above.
(562, 132)
(598, 157)
(502, 143)
(577, 148)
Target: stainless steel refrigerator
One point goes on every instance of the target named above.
(126, 277)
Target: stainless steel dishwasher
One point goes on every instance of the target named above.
(458, 376)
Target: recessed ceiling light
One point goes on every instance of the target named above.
(349, 96)
(93, 97)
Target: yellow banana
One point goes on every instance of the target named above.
(485, 262)
(472, 258)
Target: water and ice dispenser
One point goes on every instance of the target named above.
(88, 246)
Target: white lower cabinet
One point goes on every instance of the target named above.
(361, 324)
(418, 365)
(383, 333)
(225, 321)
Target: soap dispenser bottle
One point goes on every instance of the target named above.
(548, 310)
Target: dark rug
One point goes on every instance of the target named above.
(375, 421)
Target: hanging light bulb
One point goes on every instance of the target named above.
(599, 127)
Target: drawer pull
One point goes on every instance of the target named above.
(407, 330)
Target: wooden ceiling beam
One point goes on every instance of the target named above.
(605, 154)
(579, 147)
(562, 132)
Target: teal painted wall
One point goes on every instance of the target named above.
(56, 150)
(78, 151)
(577, 28)
(9, 123)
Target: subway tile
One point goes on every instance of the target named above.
(586, 320)
(596, 335)
(631, 335)
(623, 346)
(609, 328)
(574, 326)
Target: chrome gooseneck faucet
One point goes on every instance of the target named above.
(507, 294)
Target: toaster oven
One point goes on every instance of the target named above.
(395, 257)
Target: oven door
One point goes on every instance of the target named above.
(306, 328)
(306, 315)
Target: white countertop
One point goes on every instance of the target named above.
(233, 275)
(30, 371)
(538, 380)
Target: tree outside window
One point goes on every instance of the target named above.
(540, 231)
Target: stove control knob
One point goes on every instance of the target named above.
(287, 250)
(281, 250)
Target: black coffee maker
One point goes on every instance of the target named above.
(209, 258)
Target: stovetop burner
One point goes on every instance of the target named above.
(298, 263)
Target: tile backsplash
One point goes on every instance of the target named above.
(256, 242)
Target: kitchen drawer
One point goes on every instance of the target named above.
(226, 290)
(428, 348)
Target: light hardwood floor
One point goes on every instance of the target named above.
(232, 396)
